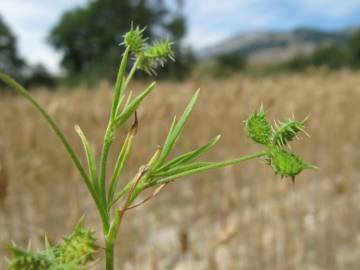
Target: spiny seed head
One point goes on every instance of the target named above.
(134, 40)
(161, 51)
(68, 266)
(286, 131)
(27, 260)
(287, 164)
(155, 56)
(73, 254)
(258, 128)
(147, 64)
(78, 248)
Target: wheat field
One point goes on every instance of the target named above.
(242, 217)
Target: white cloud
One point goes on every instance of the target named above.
(31, 21)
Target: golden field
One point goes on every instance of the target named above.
(242, 217)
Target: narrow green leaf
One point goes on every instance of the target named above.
(191, 156)
(119, 83)
(89, 156)
(173, 124)
(128, 99)
(132, 106)
(121, 160)
(210, 166)
(176, 131)
(181, 169)
(121, 99)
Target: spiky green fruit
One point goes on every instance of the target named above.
(67, 266)
(161, 50)
(287, 131)
(147, 64)
(287, 164)
(77, 248)
(134, 40)
(258, 128)
(74, 253)
(27, 260)
(155, 56)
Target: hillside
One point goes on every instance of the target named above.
(266, 47)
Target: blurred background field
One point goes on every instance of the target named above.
(241, 54)
(238, 218)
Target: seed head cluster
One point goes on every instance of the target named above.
(275, 140)
(149, 56)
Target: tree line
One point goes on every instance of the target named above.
(88, 38)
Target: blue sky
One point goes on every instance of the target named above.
(209, 21)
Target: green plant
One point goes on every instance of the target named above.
(79, 248)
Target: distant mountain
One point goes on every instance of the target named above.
(267, 47)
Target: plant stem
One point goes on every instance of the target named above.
(120, 87)
(131, 73)
(109, 254)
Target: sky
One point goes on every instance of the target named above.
(209, 21)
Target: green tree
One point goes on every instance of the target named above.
(229, 63)
(354, 49)
(39, 76)
(10, 61)
(89, 36)
(333, 57)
